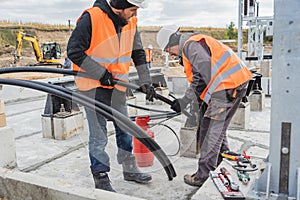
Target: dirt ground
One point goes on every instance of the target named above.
(28, 57)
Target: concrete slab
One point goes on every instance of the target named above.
(18, 186)
(67, 162)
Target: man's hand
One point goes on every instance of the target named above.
(179, 104)
(148, 89)
(107, 79)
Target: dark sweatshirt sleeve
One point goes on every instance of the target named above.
(199, 56)
(139, 59)
(78, 43)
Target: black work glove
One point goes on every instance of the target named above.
(179, 104)
(107, 79)
(148, 89)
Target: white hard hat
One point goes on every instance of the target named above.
(139, 3)
(150, 46)
(164, 34)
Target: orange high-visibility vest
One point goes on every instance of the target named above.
(149, 54)
(107, 49)
(227, 70)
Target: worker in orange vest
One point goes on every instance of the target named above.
(218, 80)
(149, 55)
(103, 44)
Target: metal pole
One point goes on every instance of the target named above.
(285, 118)
(240, 29)
(166, 60)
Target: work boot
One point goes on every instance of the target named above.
(193, 180)
(102, 182)
(132, 173)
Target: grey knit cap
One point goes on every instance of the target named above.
(120, 4)
(173, 40)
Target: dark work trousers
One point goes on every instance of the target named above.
(213, 126)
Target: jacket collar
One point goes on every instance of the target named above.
(104, 6)
(182, 40)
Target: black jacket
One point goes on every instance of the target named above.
(80, 41)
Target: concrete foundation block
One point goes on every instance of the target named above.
(2, 114)
(257, 101)
(2, 119)
(265, 68)
(7, 148)
(241, 118)
(2, 107)
(189, 145)
(179, 85)
(62, 127)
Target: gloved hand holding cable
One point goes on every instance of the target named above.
(148, 89)
(180, 104)
(157, 96)
(107, 79)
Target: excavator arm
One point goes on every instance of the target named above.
(34, 42)
(17, 52)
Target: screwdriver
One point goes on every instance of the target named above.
(233, 186)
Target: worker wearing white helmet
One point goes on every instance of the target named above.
(103, 44)
(164, 34)
(139, 3)
(218, 79)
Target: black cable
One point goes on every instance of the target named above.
(74, 73)
(161, 123)
(82, 74)
(77, 94)
(178, 140)
(106, 111)
(41, 69)
(155, 117)
(160, 116)
(148, 109)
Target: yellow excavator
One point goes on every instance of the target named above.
(49, 55)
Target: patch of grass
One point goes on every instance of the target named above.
(7, 37)
(34, 25)
(9, 30)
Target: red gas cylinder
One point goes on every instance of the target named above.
(144, 157)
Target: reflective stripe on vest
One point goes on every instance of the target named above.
(227, 70)
(220, 62)
(219, 79)
(122, 59)
(121, 76)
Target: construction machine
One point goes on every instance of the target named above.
(49, 55)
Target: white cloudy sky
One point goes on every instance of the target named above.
(197, 13)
